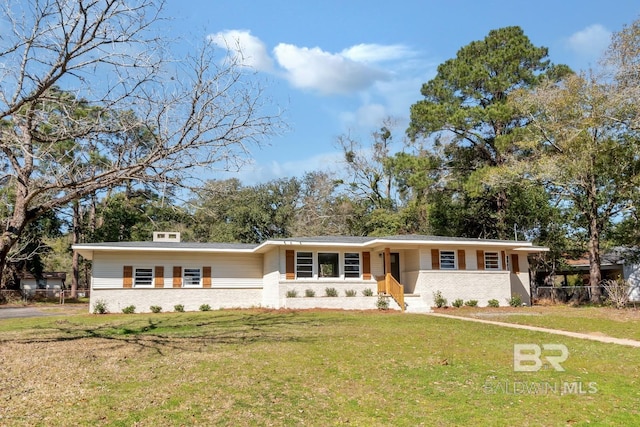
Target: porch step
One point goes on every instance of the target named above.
(415, 304)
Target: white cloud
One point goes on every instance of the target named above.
(249, 50)
(376, 53)
(257, 173)
(349, 71)
(325, 72)
(591, 41)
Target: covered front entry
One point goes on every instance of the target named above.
(394, 265)
(389, 283)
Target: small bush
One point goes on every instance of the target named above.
(515, 301)
(439, 300)
(292, 293)
(493, 303)
(129, 309)
(179, 308)
(471, 303)
(617, 292)
(331, 292)
(155, 309)
(458, 303)
(309, 293)
(100, 307)
(382, 303)
(204, 307)
(367, 292)
(350, 292)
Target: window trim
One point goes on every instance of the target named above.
(491, 267)
(358, 257)
(335, 264)
(340, 264)
(455, 260)
(151, 283)
(297, 265)
(186, 278)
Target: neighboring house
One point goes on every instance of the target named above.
(615, 263)
(48, 284)
(166, 272)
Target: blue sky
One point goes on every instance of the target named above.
(341, 67)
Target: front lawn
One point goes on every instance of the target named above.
(585, 319)
(258, 367)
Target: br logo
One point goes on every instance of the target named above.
(529, 357)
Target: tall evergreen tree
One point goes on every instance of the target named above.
(465, 114)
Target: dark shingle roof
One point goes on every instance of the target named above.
(172, 245)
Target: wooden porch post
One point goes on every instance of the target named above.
(387, 270)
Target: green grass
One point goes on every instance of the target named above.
(590, 320)
(259, 367)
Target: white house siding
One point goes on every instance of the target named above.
(237, 279)
(319, 286)
(192, 299)
(271, 280)
(467, 285)
(341, 303)
(631, 273)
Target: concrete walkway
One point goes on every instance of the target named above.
(600, 338)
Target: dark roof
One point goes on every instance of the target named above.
(45, 275)
(418, 237)
(364, 239)
(327, 239)
(173, 245)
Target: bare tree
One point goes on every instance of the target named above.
(91, 98)
(368, 166)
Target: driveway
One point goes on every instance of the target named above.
(54, 310)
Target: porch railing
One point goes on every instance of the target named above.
(387, 284)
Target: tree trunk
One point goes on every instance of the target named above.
(501, 214)
(14, 228)
(75, 260)
(595, 275)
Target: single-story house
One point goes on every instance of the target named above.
(301, 272)
(615, 263)
(47, 284)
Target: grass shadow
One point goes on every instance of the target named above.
(181, 331)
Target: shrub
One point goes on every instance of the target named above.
(310, 293)
(367, 292)
(350, 292)
(292, 293)
(331, 292)
(382, 303)
(155, 309)
(458, 303)
(617, 292)
(515, 301)
(439, 300)
(100, 307)
(129, 309)
(493, 303)
(179, 308)
(471, 303)
(204, 307)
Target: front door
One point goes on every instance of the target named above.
(395, 266)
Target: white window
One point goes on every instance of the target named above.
(328, 264)
(304, 264)
(447, 260)
(351, 265)
(508, 261)
(191, 277)
(143, 277)
(491, 261)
